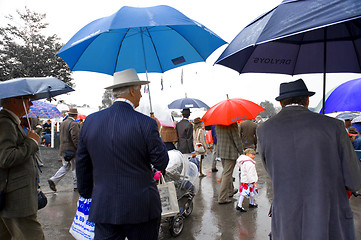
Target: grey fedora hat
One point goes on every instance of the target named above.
(293, 89)
(128, 77)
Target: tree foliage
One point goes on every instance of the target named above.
(270, 109)
(106, 99)
(26, 52)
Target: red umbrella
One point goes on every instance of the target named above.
(230, 111)
(81, 116)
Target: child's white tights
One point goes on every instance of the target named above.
(240, 200)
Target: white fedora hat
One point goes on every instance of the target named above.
(126, 78)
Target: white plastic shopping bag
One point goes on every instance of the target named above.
(82, 229)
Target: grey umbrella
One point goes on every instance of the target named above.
(300, 36)
(39, 87)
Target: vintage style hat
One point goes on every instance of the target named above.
(126, 78)
(186, 111)
(73, 111)
(293, 89)
(352, 131)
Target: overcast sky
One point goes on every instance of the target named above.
(205, 81)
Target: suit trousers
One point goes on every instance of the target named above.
(141, 231)
(226, 188)
(24, 228)
(67, 166)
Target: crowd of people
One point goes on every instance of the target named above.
(114, 154)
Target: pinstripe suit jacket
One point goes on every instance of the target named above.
(17, 159)
(115, 151)
(229, 143)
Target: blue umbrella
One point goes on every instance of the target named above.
(347, 116)
(300, 36)
(187, 103)
(42, 87)
(41, 109)
(150, 39)
(345, 97)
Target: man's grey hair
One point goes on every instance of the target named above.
(122, 91)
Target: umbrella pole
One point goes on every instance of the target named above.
(146, 72)
(324, 70)
(150, 99)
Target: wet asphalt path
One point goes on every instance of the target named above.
(209, 220)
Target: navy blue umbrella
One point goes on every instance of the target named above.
(183, 103)
(346, 97)
(300, 36)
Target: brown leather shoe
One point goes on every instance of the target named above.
(52, 185)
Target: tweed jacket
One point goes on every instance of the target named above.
(229, 143)
(117, 147)
(185, 136)
(311, 162)
(247, 131)
(69, 139)
(17, 159)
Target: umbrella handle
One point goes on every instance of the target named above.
(26, 113)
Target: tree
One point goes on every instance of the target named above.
(270, 109)
(107, 99)
(26, 52)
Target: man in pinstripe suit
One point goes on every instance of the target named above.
(116, 149)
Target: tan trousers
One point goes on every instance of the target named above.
(226, 188)
(25, 228)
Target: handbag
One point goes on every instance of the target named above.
(68, 155)
(199, 146)
(82, 228)
(42, 199)
(168, 198)
(3, 193)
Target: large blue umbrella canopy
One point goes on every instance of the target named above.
(300, 36)
(150, 39)
(183, 103)
(40, 88)
(41, 109)
(346, 97)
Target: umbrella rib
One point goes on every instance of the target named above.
(298, 53)
(188, 42)
(354, 45)
(155, 50)
(119, 48)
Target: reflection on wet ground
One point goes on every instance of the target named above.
(209, 220)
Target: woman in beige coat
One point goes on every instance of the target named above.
(199, 134)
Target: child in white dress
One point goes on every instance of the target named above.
(249, 178)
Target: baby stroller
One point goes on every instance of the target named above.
(185, 176)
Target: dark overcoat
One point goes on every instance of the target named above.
(185, 136)
(115, 151)
(311, 162)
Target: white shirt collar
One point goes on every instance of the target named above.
(294, 105)
(125, 100)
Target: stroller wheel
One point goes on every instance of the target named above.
(176, 226)
(188, 208)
